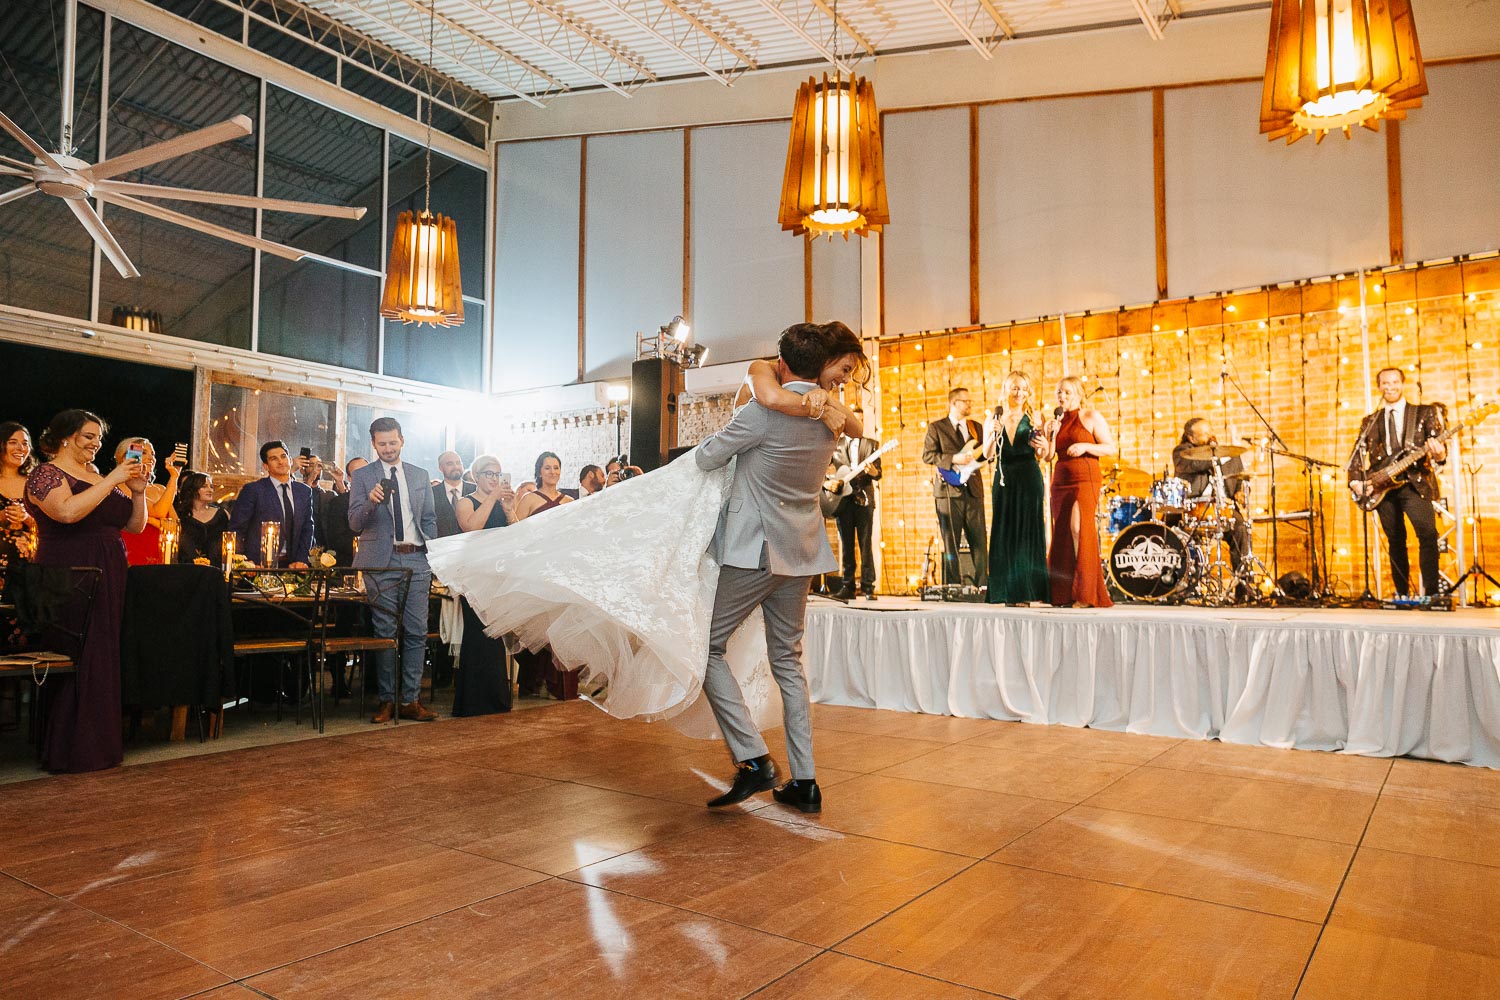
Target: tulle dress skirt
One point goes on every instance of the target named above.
(621, 586)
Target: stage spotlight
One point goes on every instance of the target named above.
(679, 330)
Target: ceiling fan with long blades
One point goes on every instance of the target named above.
(76, 181)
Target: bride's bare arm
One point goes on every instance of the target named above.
(768, 392)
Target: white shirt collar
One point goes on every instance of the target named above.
(279, 482)
(390, 467)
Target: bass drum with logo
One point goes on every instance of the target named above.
(1152, 562)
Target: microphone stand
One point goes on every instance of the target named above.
(1271, 436)
(1367, 597)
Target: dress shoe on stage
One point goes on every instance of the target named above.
(751, 776)
(803, 793)
(845, 594)
(417, 712)
(869, 595)
(384, 713)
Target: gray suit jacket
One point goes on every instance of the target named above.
(771, 517)
(375, 524)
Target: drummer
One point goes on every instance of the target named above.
(1198, 434)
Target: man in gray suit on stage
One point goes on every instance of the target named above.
(769, 543)
(391, 509)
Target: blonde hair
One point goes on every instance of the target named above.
(1077, 384)
(480, 461)
(124, 446)
(1018, 376)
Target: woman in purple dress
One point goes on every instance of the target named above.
(79, 516)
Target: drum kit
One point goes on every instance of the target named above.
(1166, 545)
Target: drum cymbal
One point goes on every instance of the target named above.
(1209, 452)
(1120, 469)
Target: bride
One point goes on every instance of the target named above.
(622, 585)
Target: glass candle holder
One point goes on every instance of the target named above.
(168, 543)
(270, 543)
(227, 547)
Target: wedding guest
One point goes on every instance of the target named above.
(590, 480)
(390, 505)
(144, 549)
(202, 522)
(79, 517)
(17, 526)
(612, 470)
(1018, 528)
(447, 491)
(483, 684)
(337, 538)
(524, 489)
(546, 495)
(278, 498)
(1078, 440)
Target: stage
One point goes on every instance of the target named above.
(1378, 683)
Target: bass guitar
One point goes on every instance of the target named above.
(1391, 474)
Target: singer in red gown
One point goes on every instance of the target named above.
(1079, 438)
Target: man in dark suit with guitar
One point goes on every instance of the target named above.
(955, 444)
(855, 512)
(1383, 436)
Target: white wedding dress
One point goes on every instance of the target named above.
(620, 584)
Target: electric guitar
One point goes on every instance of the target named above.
(838, 483)
(1379, 482)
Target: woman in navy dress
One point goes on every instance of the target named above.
(483, 684)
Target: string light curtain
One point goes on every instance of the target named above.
(422, 283)
(1334, 64)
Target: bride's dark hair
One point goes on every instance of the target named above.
(807, 348)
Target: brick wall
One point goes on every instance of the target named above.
(1296, 353)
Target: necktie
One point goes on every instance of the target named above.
(453, 498)
(963, 431)
(395, 492)
(1392, 435)
(287, 517)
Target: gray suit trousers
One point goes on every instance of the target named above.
(783, 601)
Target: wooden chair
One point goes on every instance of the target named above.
(301, 620)
(46, 601)
(364, 640)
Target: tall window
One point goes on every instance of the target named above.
(310, 309)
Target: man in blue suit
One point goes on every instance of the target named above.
(277, 497)
(391, 508)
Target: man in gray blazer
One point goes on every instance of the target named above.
(391, 509)
(769, 542)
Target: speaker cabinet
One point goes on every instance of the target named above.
(655, 384)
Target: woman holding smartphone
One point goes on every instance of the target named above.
(483, 684)
(144, 549)
(79, 518)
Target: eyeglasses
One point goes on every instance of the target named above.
(492, 473)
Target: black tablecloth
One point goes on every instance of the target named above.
(177, 642)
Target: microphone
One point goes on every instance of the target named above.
(1057, 415)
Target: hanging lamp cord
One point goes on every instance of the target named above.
(427, 182)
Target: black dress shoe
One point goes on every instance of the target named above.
(802, 793)
(751, 776)
(845, 594)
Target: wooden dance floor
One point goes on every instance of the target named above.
(559, 853)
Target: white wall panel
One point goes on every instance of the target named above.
(747, 273)
(633, 250)
(1450, 147)
(927, 242)
(836, 280)
(1065, 206)
(536, 264)
(1244, 211)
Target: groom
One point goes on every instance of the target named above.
(770, 540)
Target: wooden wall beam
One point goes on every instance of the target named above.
(807, 277)
(1394, 205)
(973, 213)
(687, 224)
(583, 219)
(1159, 184)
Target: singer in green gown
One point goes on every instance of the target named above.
(1018, 526)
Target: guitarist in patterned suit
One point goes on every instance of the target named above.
(855, 513)
(1384, 434)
